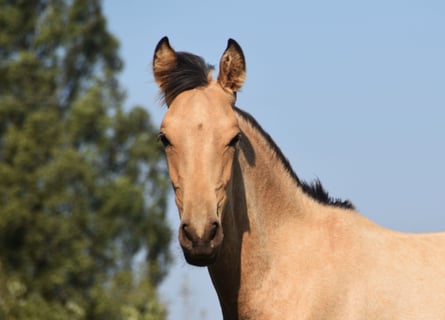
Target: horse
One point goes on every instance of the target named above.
(277, 247)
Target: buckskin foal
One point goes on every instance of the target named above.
(275, 246)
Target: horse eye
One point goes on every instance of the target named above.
(164, 140)
(234, 140)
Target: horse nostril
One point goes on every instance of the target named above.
(214, 230)
(187, 234)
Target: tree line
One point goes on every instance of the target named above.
(83, 184)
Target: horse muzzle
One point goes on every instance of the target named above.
(200, 246)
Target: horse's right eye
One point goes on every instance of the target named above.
(164, 140)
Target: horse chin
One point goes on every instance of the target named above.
(201, 260)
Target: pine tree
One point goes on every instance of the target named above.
(83, 185)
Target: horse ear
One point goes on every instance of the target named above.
(232, 67)
(164, 60)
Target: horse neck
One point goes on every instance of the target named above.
(263, 197)
(263, 186)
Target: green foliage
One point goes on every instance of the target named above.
(83, 185)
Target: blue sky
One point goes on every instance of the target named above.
(352, 91)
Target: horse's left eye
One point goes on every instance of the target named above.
(235, 140)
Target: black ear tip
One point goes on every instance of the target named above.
(233, 43)
(163, 42)
(163, 47)
(164, 39)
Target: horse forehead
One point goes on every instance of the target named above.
(201, 108)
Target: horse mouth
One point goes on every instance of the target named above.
(200, 259)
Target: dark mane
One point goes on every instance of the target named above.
(314, 189)
(189, 72)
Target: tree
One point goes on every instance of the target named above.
(83, 184)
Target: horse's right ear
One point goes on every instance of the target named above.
(232, 67)
(164, 60)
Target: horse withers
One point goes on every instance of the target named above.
(275, 246)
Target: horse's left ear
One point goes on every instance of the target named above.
(232, 67)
